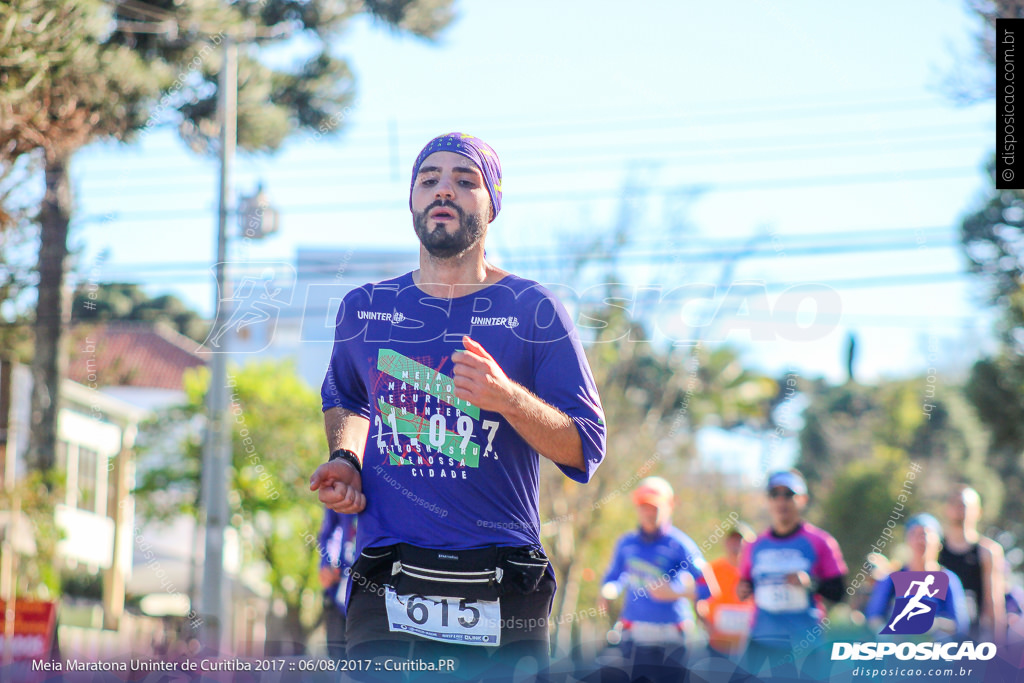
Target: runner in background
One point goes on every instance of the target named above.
(336, 543)
(923, 535)
(1014, 608)
(978, 562)
(789, 570)
(726, 616)
(659, 572)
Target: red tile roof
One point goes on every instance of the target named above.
(134, 354)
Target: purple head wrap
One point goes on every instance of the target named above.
(474, 149)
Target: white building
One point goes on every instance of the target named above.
(285, 312)
(122, 374)
(95, 442)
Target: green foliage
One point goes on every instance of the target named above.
(866, 491)
(82, 585)
(654, 399)
(128, 301)
(17, 245)
(993, 241)
(277, 442)
(64, 82)
(922, 417)
(996, 391)
(991, 237)
(35, 494)
(78, 70)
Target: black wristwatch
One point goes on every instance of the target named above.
(349, 456)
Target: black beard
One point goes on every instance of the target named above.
(438, 242)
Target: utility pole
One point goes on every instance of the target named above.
(217, 448)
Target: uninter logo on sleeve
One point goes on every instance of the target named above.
(502, 321)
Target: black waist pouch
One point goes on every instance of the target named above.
(450, 573)
(519, 570)
(372, 568)
(478, 574)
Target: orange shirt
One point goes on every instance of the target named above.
(728, 617)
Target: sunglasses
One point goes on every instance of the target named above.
(781, 493)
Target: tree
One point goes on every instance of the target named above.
(17, 235)
(75, 71)
(993, 240)
(849, 422)
(867, 490)
(654, 400)
(996, 390)
(655, 397)
(858, 442)
(37, 572)
(128, 302)
(275, 445)
(60, 94)
(992, 236)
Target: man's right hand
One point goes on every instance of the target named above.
(340, 486)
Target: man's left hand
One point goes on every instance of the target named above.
(662, 592)
(799, 579)
(480, 380)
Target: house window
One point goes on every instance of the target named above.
(87, 462)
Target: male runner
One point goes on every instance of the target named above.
(789, 569)
(978, 561)
(951, 622)
(444, 386)
(657, 569)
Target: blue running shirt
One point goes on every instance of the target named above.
(641, 560)
(786, 614)
(439, 472)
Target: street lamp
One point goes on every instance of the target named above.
(257, 218)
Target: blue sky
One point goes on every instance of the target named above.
(824, 128)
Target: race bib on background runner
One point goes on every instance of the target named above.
(733, 621)
(780, 597)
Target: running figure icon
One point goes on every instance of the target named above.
(914, 607)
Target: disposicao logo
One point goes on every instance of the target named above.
(914, 613)
(918, 597)
(947, 652)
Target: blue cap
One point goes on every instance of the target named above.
(925, 520)
(791, 479)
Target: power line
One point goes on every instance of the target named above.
(599, 147)
(922, 235)
(578, 196)
(754, 112)
(539, 256)
(380, 176)
(758, 110)
(741, 114)
(885, 280)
